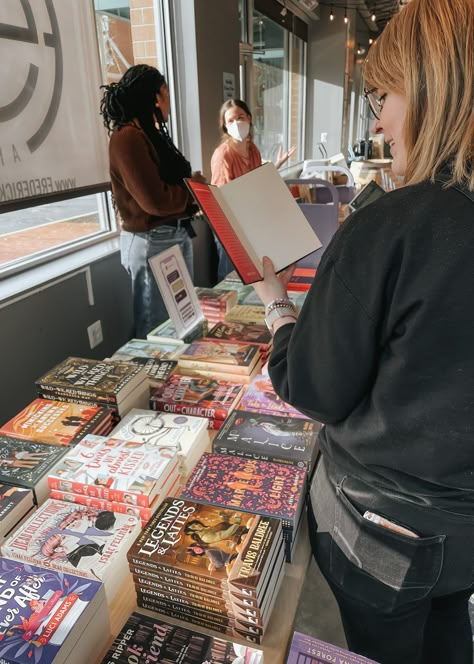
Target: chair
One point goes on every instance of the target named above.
(322, 217)
(311, 169)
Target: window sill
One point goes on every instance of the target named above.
(18, 285)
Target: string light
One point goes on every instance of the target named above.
(346, 20)
(373, 17)
(371, 41)
(331, 15)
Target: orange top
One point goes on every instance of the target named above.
(227, 164)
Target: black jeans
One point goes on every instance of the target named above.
(398, 605)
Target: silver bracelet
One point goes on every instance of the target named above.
(278, 302)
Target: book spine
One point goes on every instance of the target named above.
(12, 552)
(198, 598)
(180, 408)
(159, 568)
(95, 395)
(220, 448)
(94, 491)
(202, 603)
(100, 503)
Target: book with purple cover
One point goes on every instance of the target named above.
(306, 649)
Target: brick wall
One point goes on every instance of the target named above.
(142, 20)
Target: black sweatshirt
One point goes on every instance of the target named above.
(383, 349)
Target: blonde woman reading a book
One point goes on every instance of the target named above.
(236, 155)
(381, 352)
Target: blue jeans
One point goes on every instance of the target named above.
(402, 599)
(149, 310)
(224, 265)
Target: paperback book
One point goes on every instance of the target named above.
(241, 332)
(236, 358)
(58, 422)
(76, 540)
(260, 397)
(44, 614)
(306, 649)
(246, 313)
(15, 504)
(157, 371)
(27, 464)
(116, 470)
(151, 349)
(167, 332)
(143, 637)
(287, 440)
(197, 396)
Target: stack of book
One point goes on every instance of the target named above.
(58, 422)
(138, 639)
(306, 649)
(260, 487)
(150, 349)
(287, 440)
(167, 332)
(157, 371)
(246, 313)
(214, 567)
(216, 303)
(73, 539)
(117, 475)
(236, 362)
(197, 396)
(186, 436)
(15, 505)
(50, 617)
(27, 464)
(243, 333)
(260, 397)
(119, 385)
(301, 279)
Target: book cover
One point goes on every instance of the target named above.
(39, 609)
(143, 513)
(246, 313)
(167, 332)
(155, 350)
(15, 502)
(157, 371)
(260, 397)
(154, 429)
(117, 470)
(232, 550)
(232, 209)
(91, 377)
(212, 354)
(55, 422)
(306, 649)
(71, 538)
(196, 395)
(241, 332)
(269, 438)
(142, 637)
(24, 463)
(261, 487)
(216, 298)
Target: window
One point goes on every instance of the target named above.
(278, 80)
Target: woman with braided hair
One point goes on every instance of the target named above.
(147, 172)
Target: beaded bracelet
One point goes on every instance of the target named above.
(278, 303)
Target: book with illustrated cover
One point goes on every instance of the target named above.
(198, 396)
(246, 313)
(238, 358)
(251, 216)
(15, 504)
(287, 440)
(216, 299)
(113, 469)
(142, 637)
(167, 332)
(58, 422)
(78, 540)
(93, 379)
(306, 649)
(223, 548)
(157, 371)
(260, 397)
(241, 332)
(261, 487)
(44, 613)
(27, 464)
(151, 349)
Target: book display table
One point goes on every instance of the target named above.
(280, 628)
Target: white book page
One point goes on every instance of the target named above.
(234, 222)
(269, 217)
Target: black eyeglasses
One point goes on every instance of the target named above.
(375, 102)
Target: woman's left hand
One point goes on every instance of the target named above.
(273, 285)
(282, 157)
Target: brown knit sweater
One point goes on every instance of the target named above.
(142, 198)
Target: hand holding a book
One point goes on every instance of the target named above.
(273, 286)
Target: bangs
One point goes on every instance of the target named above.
(383, 67)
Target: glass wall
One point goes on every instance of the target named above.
(278, 82)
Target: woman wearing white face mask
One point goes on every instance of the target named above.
(236, 155)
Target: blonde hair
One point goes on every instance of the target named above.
(426, 54)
